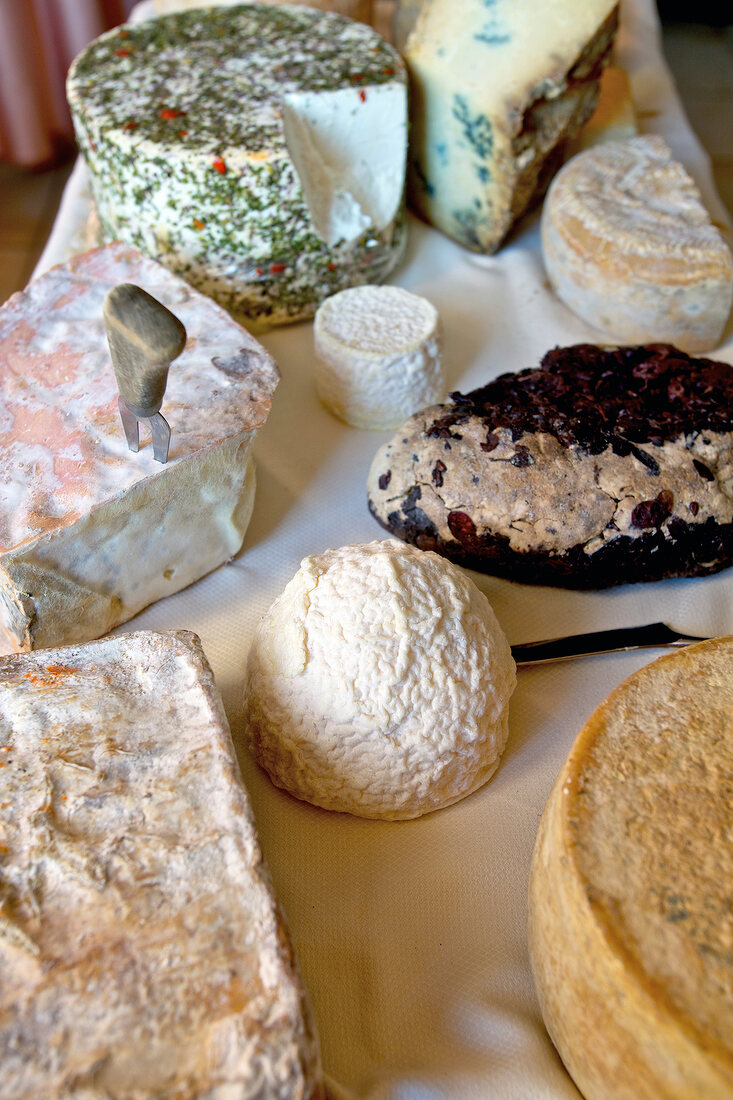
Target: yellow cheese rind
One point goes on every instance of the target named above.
(629, 246)
(630, 926)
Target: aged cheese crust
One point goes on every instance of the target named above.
(90, 533)
(496, 90)
(603, 466)
(213, 136)
(630, 248)
(141, 951)
(630, 925)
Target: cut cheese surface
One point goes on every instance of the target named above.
(258, 150)
(629, 246)
(141, 950)
(630, 918)
(91, 532)
(497, 89)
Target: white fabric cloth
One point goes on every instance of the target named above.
(411, 936)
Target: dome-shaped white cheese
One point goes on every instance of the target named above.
(378, 683)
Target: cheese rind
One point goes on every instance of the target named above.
(217, 171)
(630, 923)
(141, 949)
(629, 246)
(495, 92)
(90, 532)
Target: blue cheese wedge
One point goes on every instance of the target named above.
(257, 150)
(498, 87)
(142, 952)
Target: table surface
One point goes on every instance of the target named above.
(411, 936)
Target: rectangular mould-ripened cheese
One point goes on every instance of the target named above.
(142, 953)
(90, 532)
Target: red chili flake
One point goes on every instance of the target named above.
(357, 78)
(388, 72)
(259, 271)
(170, 112)
(183, 133)
(123, 52)
(362, 95)
(277, 268)
(218, 165)
(332, 267)
(130, 126)
(198, 224)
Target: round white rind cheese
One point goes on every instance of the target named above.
(378, 683)
(629, 246)
(378, 355)
(630, 923)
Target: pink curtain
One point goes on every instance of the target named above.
(38, 41)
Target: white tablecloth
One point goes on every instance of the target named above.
(411, 936)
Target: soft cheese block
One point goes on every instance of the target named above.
(257, 150)
(496, 89)
(90, 532)
(630, 921)
(142, 953)
(629, 246)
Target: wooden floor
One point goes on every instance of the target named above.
(700, 57)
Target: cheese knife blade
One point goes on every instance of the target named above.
(621, 639)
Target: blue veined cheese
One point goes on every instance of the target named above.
(497, 88)
(257, 150)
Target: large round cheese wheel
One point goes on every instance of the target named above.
(257, 150)
(631, 911)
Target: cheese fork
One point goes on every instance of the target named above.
(621, 639)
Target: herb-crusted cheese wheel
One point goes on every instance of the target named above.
(378, 683)
(630, 248)
(378, 355)
(142, 951)
(257, 150)
(630, 923)
(496, 90)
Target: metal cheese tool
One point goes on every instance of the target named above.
(144, 338)
(649, 636)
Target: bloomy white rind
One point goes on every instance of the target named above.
(378, 355)
(629, 247)
(378, 683)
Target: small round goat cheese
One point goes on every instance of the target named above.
(378, 355)
(378, 683)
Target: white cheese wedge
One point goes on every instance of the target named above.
(90, 533)
(496, 89)
(378, 355)
(257, 150)
(141, 949)
(629, 246)
(630, 923)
